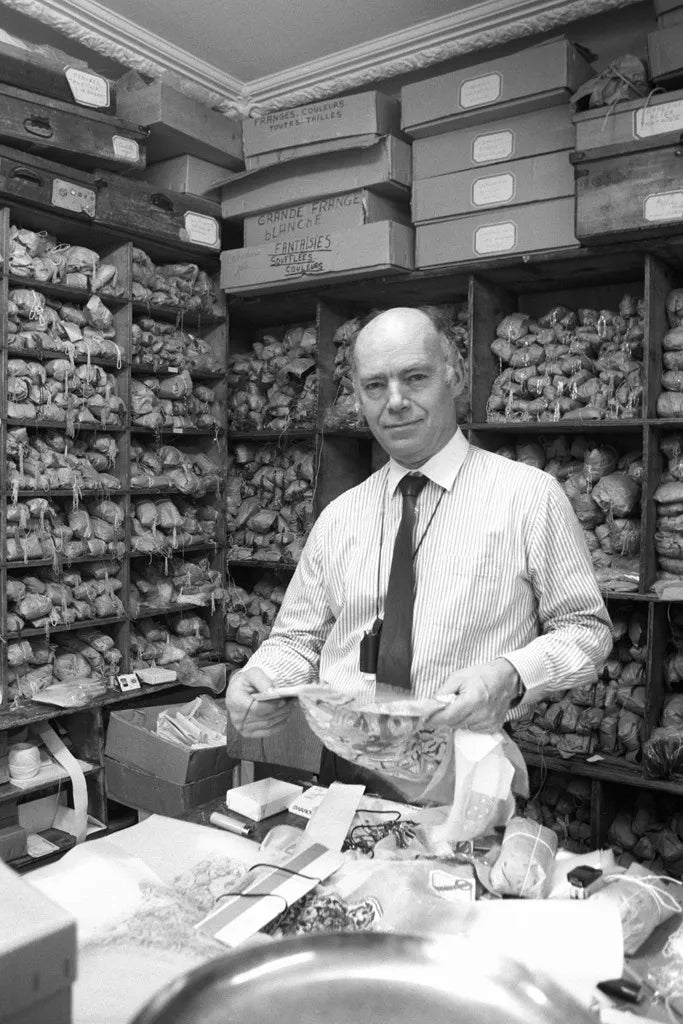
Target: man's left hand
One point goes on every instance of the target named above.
(482, 696)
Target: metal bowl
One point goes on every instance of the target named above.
(364, 978)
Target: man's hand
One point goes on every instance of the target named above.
(254, 718)
(482, 696)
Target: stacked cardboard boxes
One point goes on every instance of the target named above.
(665, 44)
(491, 168)
(629, 179)
(325, 195)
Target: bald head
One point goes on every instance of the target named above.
(406, 375)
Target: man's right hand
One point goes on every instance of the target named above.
(254, 718)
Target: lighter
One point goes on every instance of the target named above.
(369, 648)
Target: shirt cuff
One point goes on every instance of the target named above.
(530, 665)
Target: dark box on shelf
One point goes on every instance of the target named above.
(77, 135)
(12, 842)
(51, 72)
(633, 195)
(145, 210)
(28, 178)
(665, 54)
(134, 788)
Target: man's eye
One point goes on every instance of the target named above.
(373, 388)
(417, 378)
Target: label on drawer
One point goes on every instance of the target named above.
(665, 117)
(494, 146)
(69, 196)
(477, 92)
(202, 230)
(495, 238)
(126, 149)
(87, 89)
(663, 206)
(498, 188)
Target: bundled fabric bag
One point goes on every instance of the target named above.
(524, 866)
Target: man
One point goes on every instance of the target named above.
(505, 603)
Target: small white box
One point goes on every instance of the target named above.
(262, 799)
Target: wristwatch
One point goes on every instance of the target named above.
(519, 693)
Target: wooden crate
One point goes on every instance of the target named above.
(630, 196)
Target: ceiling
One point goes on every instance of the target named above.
(250, 39)
(249, 56)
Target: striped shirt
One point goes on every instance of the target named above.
(502, 570)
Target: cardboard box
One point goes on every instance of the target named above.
(540, 76)
(668, 12)
(186, 174)
(12, 842)
(54, 1009)
(665, 54)
(134, 788)
(383, 167)
(630, 195)
(520, 229)
(513, 138)
(131, 740)
(333, 213)
(343, 117)
(37, 954)
(634, 124)
(380, 248)
(510, 184)
(178, 124)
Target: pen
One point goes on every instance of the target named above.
(230, 824)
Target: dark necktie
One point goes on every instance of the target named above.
(395, 646)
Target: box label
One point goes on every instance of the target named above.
(494, 146)
(296, 117)
(498, 188)
(69, 196)
(87, 89)
(665, 117)
(495, 238)
(125, 149)
(300, 257)
(127, 682)
(202, 230)
(663, 206)
(321, 215)
(477, 92)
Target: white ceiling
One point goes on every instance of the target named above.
(250, 39)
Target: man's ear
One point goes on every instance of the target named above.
(457, 380)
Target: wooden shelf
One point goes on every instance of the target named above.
(62, 291)
(32, 631)
(45, 354)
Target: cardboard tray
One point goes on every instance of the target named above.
(382, 248)
(508, 184)
(540, 76)
(534, 227)
(382, 166)
(512, 138)
(329, 121)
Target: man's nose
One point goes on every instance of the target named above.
(397, 399)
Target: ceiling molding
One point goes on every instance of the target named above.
(484, 24)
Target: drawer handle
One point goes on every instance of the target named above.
(39, 126)
(27, 174)
(162, 201)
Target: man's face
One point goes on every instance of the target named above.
(403, 388)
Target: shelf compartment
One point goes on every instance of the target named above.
(177, 431)
(46, 354)
(190, 549)
(41, 563)
(61, 426)
(70, 627)
(604, 772)
(62, 291)
(9, 792)
(176, 314)
(138, 370)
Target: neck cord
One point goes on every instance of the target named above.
(381, 541)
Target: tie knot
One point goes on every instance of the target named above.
(411, 484)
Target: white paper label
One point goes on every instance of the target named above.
(69, 196)
(495, 238)
(477, 92)
(494, 146)
(499, 188)
(129, 681)
(664, 206)
(665, 117)
(202, 230)
(126, 149)
(88, 89)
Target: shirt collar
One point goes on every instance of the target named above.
(441, 469)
